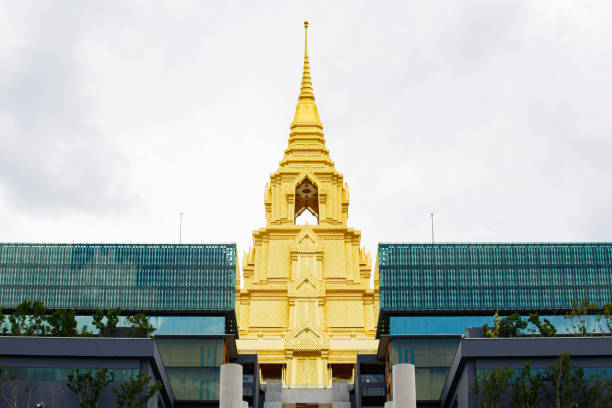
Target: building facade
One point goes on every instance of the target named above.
(187, 292)
(474, 355)
(36, 369)
(430, 294)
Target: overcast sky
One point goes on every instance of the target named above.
(117, 115)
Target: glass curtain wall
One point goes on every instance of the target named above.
(193, 366)
(130, 276)
(432, 359)
(489, 277)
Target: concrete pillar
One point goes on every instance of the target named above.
(340, 395)
(230, 388)
(404, 388)
(274, 394)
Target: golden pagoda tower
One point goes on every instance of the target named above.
(307, 308)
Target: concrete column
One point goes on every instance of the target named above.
(340, 395)
(230, 388)
(404, 388)
(274, 394)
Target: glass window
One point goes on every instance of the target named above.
(191, 352)
(194, 383)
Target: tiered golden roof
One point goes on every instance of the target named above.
(307, 307)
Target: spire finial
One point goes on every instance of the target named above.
(306, 93)
(306, 39)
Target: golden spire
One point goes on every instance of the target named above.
(306, 93)
(306, 110)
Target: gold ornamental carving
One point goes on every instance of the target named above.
(307, 304)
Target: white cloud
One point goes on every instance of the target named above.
(116, 116)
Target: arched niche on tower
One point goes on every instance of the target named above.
(306, 200)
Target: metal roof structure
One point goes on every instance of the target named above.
(161, 279)
(482, 278)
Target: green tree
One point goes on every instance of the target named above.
(491, 385)
(140, 326)
(85, 332)
(492, 332)
(88, 386)
(567, 383)
(585, 317)
(509, 326)
(136, 392)
(29, 319)
(106, 321)
(598, 391)
(545, 328)
(63, 323)
(11, 390)
(98, 319)
(607, 318)
(55, 392)
(527, 389)
(3, 327)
